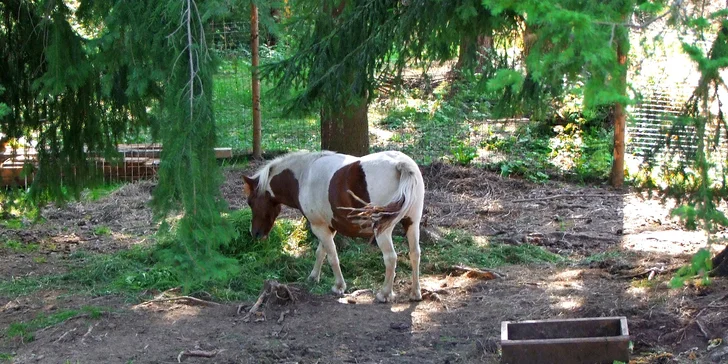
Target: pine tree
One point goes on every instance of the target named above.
(79, 81)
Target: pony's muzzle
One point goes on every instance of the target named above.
(258, 235)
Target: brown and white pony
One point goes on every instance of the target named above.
(358, 197)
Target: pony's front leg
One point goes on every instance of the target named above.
(326, 240)
(384, 240)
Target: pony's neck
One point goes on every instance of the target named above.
(285, 188)
(284, 175)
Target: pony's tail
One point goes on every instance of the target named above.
(408, 194)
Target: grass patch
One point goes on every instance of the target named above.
(98, 192)
(126, 272)
(5, 357)
(603, 257)
(288, 255)
(102, 230)
(19, 247)
(459, 248)
(25, 331)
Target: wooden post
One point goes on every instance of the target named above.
(257, 129)
(616, 178)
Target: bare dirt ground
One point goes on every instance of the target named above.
(642, 245)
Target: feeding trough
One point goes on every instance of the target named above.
(571, 341)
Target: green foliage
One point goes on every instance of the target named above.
(25, 331)
(700, 265)
(463, 153)
(16, 206)
(578, 152)
(189, 178)
(526, 154)
(6, 357)
(694, 172)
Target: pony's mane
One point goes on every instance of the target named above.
(290, 160)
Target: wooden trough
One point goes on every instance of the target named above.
(571, 341)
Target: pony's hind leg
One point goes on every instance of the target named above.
(413, 238)
(320, 255)
(384, 240)
(326, 240)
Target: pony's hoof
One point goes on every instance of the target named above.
(314, 278)
(338, 289)
(384, 298)
(415, 296)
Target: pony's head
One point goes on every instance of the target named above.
(265, 208)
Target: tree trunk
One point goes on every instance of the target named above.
(616, 177)
(720, 264)
(257, 128)
(472, 51)
(346, 131)
(344, 125)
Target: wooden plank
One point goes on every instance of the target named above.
(222, 153)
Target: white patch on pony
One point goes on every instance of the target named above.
(314, 187)
(295, 161)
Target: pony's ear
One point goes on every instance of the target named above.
(249, 185)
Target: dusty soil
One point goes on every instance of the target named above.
(458, 324)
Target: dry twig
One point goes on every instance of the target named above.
(283, 316)
(369, 215)
(197, 353)
(65, 334)
(191, 300)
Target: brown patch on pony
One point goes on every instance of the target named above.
(406, 223)
(285, 188)
(349, 178)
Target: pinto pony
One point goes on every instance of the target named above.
(358, 197)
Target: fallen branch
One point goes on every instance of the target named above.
(554, 197)
(197, 353)
(64, 334)
(477, 272)
(241, 307)
(432, 295)
(270, 288)
(83, 338)
(192, 300)
(261, 298)
(702, 329)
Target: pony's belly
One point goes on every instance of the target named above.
(350, 229)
